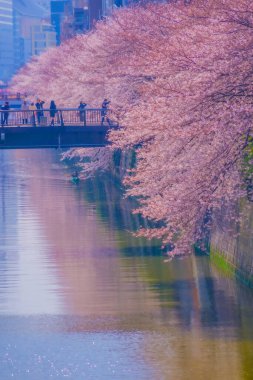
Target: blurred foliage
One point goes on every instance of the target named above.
(247, 169)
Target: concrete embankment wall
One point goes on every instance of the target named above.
(231, 247)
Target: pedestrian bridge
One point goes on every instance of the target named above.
(22, 129)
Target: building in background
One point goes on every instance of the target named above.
(71, 17)
(95, 10)
(60, 10)
(81, 15)
(43, 36)
(18, 37)
(102, 8)
(77, 20)
(29, 17)
(29, 27)
(99, 9)
(6, 40)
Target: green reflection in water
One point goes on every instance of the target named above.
(107, 194)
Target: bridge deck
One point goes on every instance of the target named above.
(53, 137)
(28, 129)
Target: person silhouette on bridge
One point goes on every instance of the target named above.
(5, 113)
(25, 108)
(39, 105)
(32, 108)
(53, 112)
(81, 108)
(104, 112)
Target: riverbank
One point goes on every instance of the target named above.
(231, 248)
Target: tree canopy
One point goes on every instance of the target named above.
(180, 81)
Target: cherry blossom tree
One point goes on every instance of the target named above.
(180, 80)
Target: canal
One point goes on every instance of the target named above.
(81, 298)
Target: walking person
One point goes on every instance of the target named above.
(81, 108)
(25, 108)
(105, 106)
(53, 112)
(5, 113)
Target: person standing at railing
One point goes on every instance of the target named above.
(53, 112)
(81, 108)
(104, 112)
(32, 108)
(39, 105)
(25, 108)
(5, 113)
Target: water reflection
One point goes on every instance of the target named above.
(80, 297)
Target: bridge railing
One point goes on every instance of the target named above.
(60, 117)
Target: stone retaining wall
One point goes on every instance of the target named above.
(231, 245)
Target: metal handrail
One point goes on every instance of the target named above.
(57, 109)
(58, 117)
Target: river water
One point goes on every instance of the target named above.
(81, 298)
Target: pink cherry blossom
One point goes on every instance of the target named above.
(180, 82)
